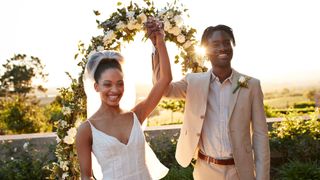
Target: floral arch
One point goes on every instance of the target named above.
(120, 27)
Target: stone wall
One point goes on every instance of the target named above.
(45, 142)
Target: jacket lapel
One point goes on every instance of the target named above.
(234, 96)
(206, 83)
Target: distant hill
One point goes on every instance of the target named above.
(142, 90)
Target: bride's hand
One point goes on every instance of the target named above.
(155, 30)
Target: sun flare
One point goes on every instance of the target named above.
(200, 50)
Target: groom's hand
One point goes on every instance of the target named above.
(155, 30)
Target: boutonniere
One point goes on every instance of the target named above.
(242, 82)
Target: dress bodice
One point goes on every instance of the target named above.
(121, 161)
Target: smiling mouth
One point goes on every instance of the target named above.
(113, 98)
(223, 55)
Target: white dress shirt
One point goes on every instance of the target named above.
(214, 140)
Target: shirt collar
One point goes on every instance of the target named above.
(216, 78)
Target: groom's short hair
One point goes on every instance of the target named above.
(209, 30)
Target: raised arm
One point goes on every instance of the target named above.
(83, 145)
(176, 89)
(144, 108)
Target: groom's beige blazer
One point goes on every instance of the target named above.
(248, 132)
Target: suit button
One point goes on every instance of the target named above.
(202, 117)
(198, 134)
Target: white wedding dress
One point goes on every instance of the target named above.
(132, 161)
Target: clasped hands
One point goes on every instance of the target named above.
(154, 30)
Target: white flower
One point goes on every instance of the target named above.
(25, 145)
(130, 14)
(142, 17)
(72, 132)
(187, 44)
(64, 165)
(15, 149)
(77, 123)
(65, 175)
(175, 31)
(132, 24)
(242, 82)
(167, 25)
(169, 15)
(66, 110)
(242, 79)
(100, 48)
(178, 20)
(63, 123)
(58, 139)
(181, 38)
(120, 25)
(110, 35)
(68, 140)
(12, 158)
(138, 26)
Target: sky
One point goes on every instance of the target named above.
(277, 41)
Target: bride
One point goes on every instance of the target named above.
(114, 136)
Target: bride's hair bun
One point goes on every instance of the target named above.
(113, 58)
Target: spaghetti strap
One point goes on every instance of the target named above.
(135, 117)
(91, 125)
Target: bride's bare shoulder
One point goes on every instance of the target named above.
(84, 128)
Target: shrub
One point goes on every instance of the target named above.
(166, 153)
(270, 112)
(21, 115)
(304, 104)
(24, 163)
(296, 170)
(297, 139)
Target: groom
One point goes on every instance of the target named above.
(224, 124)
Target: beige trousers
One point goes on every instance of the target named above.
(205, 171)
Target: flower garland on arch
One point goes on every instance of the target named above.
(121, 26)
(126, 22)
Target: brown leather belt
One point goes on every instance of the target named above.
(209, 159)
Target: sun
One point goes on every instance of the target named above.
(201, 51)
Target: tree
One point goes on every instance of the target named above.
(20, 71)
(310, 94)
(18, 116)
(20, 113)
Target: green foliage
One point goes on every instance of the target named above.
(74, 112)
(296, 170)
(53, 112)
(310, 94)
(173, 105)
(297, 139)
(166, 153)
(298, 111)
(178, 172)
(306, 104)
(123, 24)
(23, 163)
(20, 70)
(20, 115)
(270, 112)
